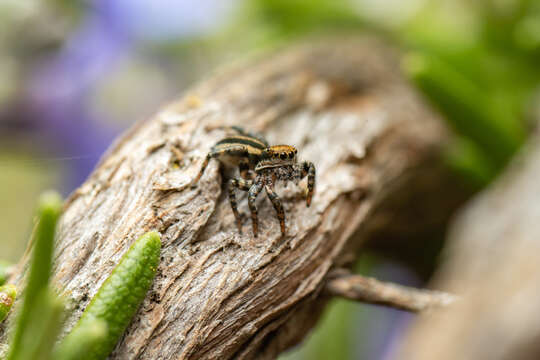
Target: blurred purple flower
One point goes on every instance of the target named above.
(60, 89)
(59, 92)
(164, 20)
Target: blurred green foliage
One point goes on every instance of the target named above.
(332, 338)
(22, 179)
(484, 81)
(288, 18)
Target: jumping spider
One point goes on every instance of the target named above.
(269, 163)
(276, 163)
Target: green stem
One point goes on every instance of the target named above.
(50, 206)
(46, 319)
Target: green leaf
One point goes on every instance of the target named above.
(7, 297)
(119, 297)
(35, 304)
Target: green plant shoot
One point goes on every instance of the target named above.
(46, 321)
(119, 297)
(38, 305)
(81, 342)
(7, 297)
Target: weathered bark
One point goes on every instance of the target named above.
(219, 294)
(493, 262)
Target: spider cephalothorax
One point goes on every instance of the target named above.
(270, 163)
(276, 163)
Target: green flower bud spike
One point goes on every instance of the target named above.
(118, 298)
(7, 297)
(81, 342)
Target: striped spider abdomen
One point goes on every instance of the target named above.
(242, 149)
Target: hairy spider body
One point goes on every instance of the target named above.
(251, 152)
(276, 163)
(242, 149)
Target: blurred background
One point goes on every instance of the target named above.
(74, 74)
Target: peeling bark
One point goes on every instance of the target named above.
(219, 294)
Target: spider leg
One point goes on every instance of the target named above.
(203, 167)
(309, 169)
(274, 198)
(252, 195)
(242, 185)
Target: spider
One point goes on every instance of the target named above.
(276, 163)
(251, 153)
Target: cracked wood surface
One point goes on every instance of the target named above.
(219, 294)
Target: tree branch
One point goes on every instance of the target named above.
(493, 262)
(372, 291)
(219, 294)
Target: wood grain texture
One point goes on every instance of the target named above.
(218, 294)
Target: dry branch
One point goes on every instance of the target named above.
(372, 291)
(494, 261)
(222, 295)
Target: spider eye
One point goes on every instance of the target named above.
(291, 155)
(282, 156)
